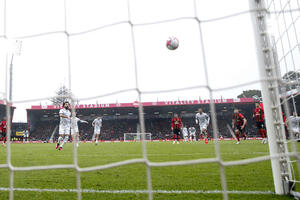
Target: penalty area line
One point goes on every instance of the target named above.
(138, 191)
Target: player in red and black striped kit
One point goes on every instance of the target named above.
(259, 116)
(3, 126)
(176, 126)
(239, 124)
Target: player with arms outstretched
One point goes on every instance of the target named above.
(203, 120)
(238, 124)
(259, 116)
(74, 128)
(294, 120)
(64, 125)
(176, 126)
(3, 126)
(192, 131)
(97, 124)
(185, 134)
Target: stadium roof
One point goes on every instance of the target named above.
(145, 104)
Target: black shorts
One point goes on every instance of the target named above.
(241, 130)
(176, 131)
(261, 125)
(3, 134)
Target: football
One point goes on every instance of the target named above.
(172, 43)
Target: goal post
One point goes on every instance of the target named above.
(136, 136)
(271, 99)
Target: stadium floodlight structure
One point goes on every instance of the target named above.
(279, 155)
(136, 136)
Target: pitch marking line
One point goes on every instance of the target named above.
(139, 191)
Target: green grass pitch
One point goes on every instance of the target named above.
(252, 177)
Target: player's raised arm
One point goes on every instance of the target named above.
(93, 123)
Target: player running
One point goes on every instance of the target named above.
(259, 116)
(185, 134)
(294, 120)
(203, 120)
(3, 126)
(176, 126)
(192, 132)
(64, 125)
(97, 124)
(238, 124)
(75, 130)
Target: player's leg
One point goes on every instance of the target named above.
(178, 136)
(61, 136)
(237, 135)
(204, 131)
(97, 138)
(66, 138)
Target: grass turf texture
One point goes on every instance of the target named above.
(255, 177)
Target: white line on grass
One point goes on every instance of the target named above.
(139, 191)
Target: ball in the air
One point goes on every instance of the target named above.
(172, 43)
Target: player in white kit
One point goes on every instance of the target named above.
(75, 130)
(64, 125)
(97, 124)
(295, 120)
(185, 134)
(192, 132)
(203, 120)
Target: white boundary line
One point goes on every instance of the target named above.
(140, 191)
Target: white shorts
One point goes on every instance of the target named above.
(74, 131)
(203, 126)
(185, 135)
(64, 129)
(295, 129)
(97, 131)
(193, 134)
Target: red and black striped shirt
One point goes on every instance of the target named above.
(239, 119)
(176, 123)
(259, 114)
(3, 126)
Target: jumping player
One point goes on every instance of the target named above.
(64, 126)
(203, 120)
(295, 120)
(97, 124)
(192, 132)
(176, 126)
(259, 116)
(74, 128)
(185, 134)
(238, 124)
(3, 126)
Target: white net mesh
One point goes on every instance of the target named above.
(70, 41)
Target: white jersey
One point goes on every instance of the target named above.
(65, 121)
(75, 121)
(97, 123)
(185, 131)
(202, 119)
(192, 130)
(294, 122)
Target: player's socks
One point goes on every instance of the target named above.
(65, 141)
(205, 141)
(244, 136)
(237, 137)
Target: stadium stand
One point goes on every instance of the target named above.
(122, 118)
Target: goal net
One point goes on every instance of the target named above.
(108, 50)
(136, 136)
